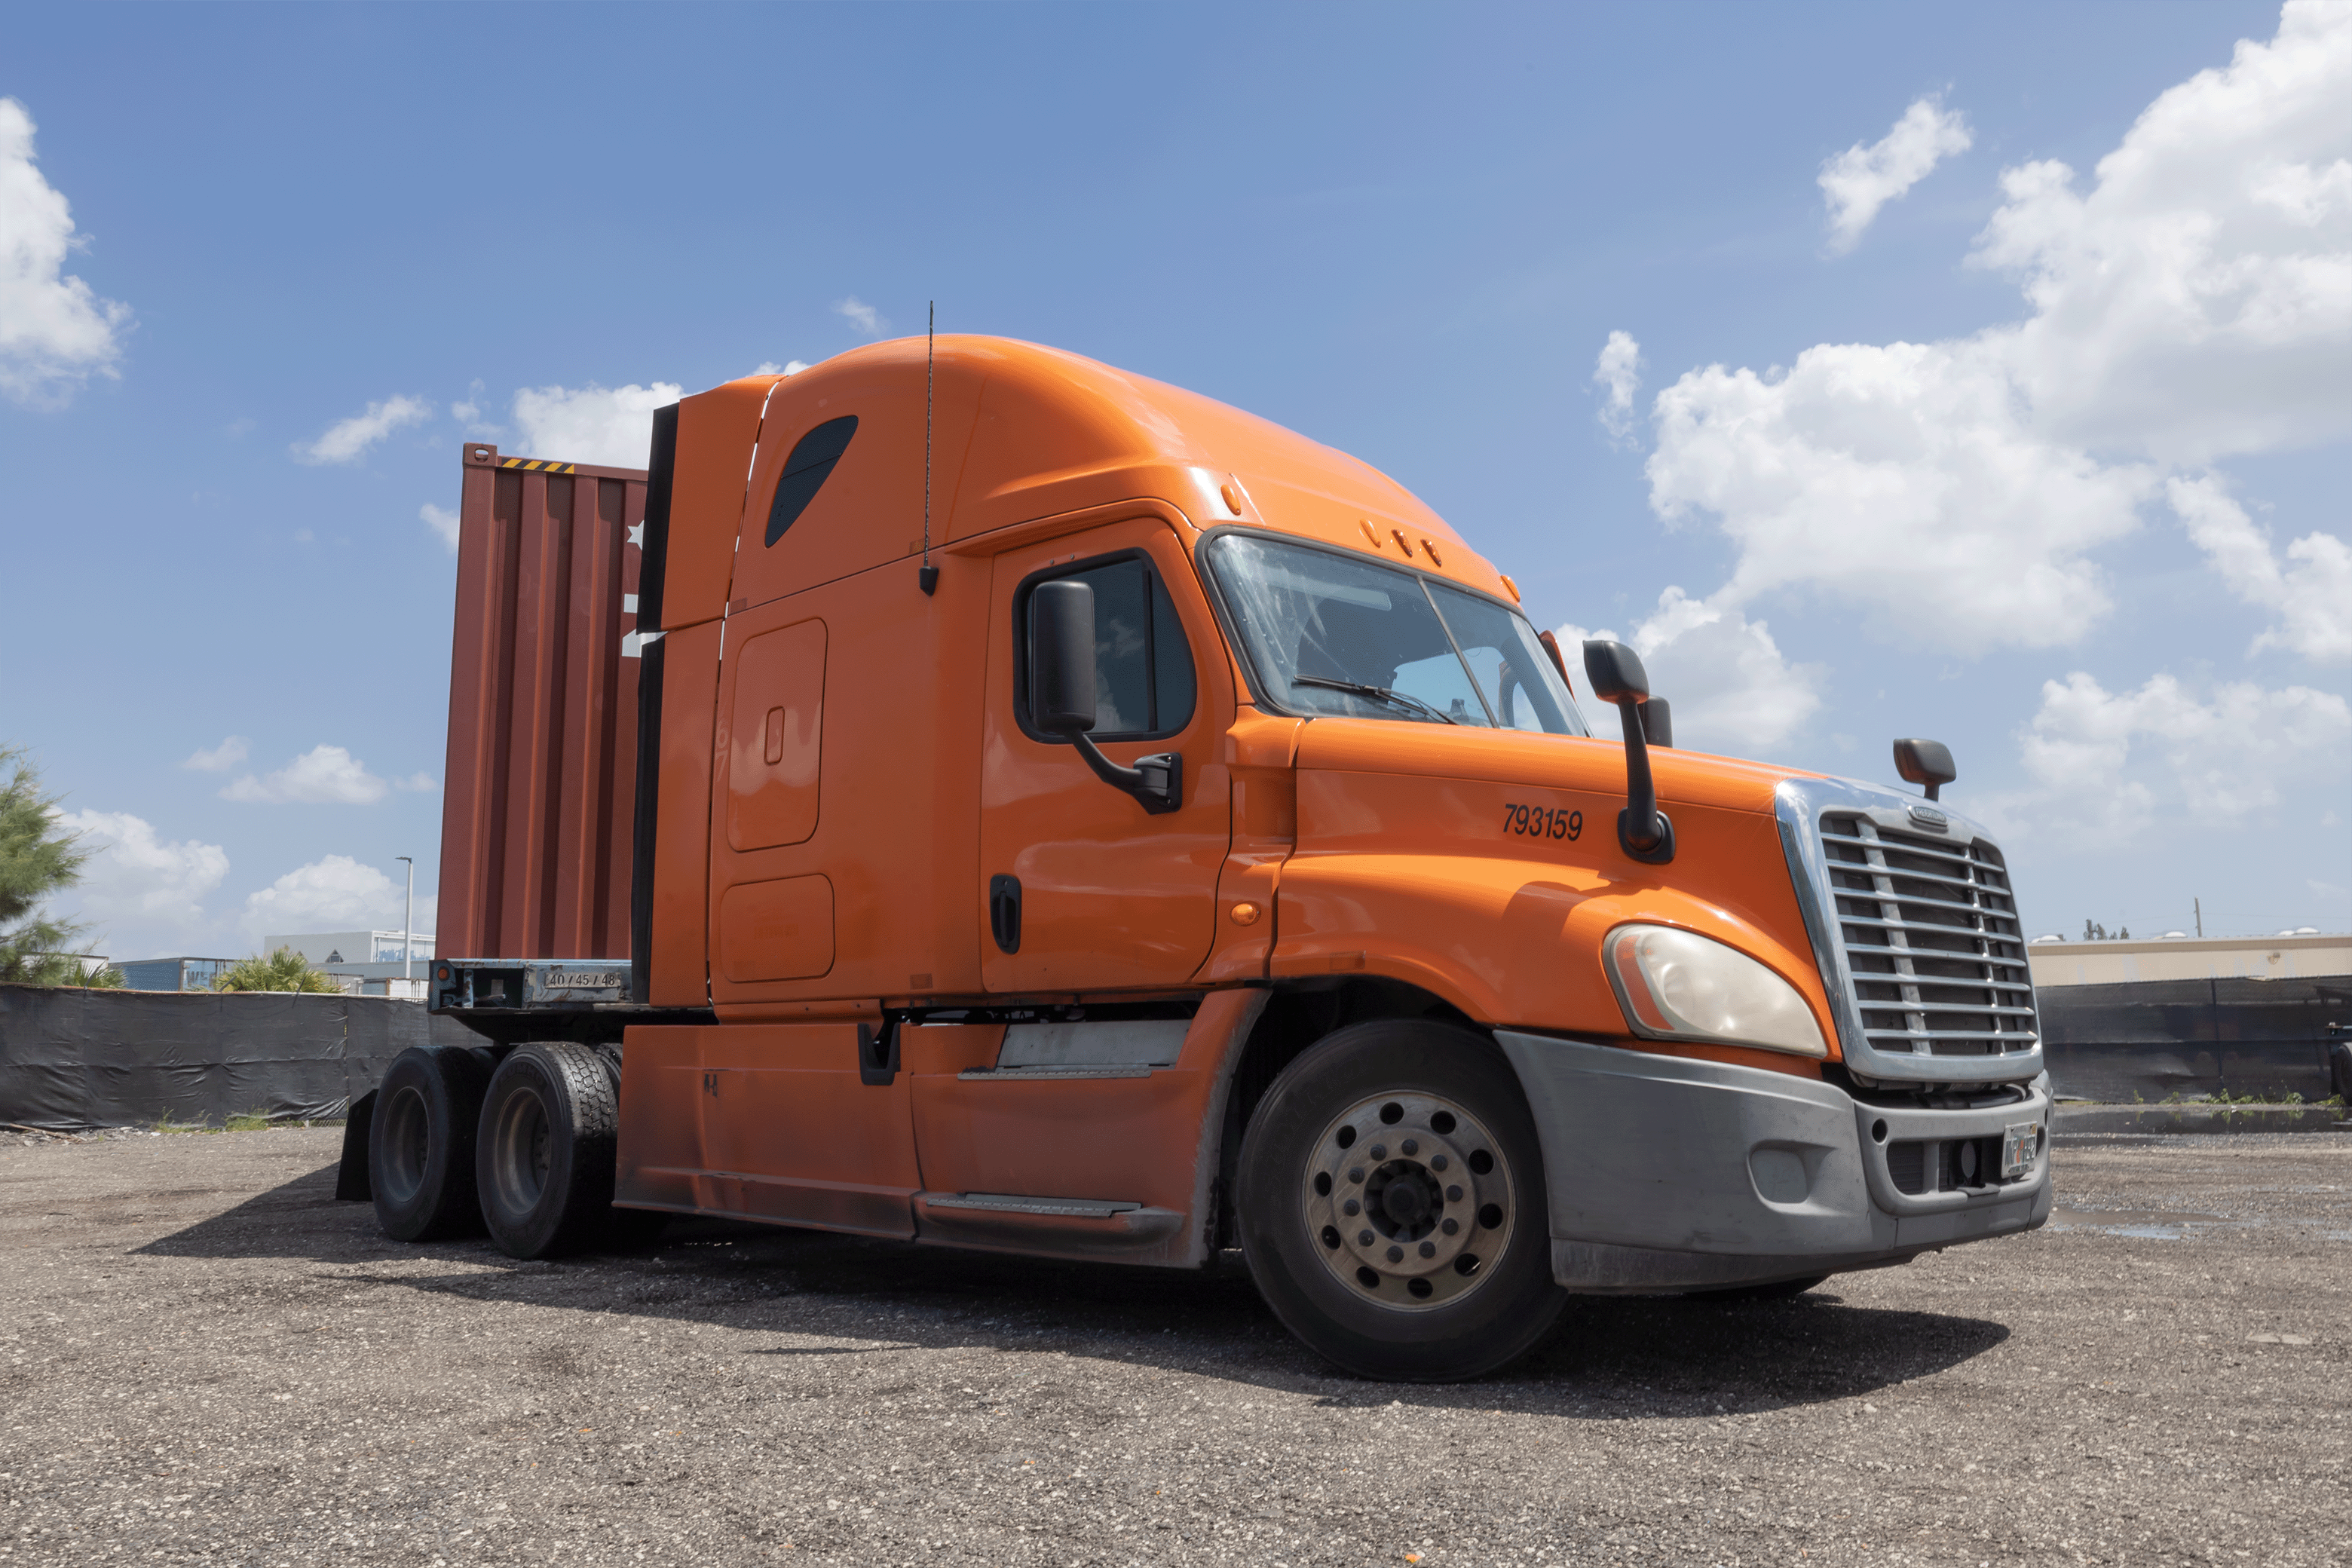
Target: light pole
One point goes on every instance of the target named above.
(407, 921)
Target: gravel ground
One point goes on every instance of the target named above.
(206, 1358)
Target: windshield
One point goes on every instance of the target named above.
(1332, 635)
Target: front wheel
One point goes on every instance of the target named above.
(1392, 1204)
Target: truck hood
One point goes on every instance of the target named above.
(1584, 764)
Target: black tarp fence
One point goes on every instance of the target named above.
(72, 1057)
(2151, 1039)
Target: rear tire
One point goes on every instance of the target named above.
(1391, 1195)
(545, 1158)
(421, 1144)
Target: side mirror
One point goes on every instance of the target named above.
(1658, 721)
(1928, 762)
(1061, 693)
(1644, 832)
(1551, 647)
(1062, 657)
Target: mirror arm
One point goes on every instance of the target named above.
(1644, 832)
(1156, 781)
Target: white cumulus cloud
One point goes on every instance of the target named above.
(323, 776)
(442, 522)
(136, 886)
(1906, 479)
(2195, 304)
(55, 332)
(221, 758)
(333, 893)
(347, 440)
(1861, 180)
(860, 314)
(2108, 766)
(770, 367)
(611, 427)
(1618, 373)
(1731, 688)
(2197, 300)
(2311, 593)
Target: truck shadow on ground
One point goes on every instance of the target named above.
(1610, 1357)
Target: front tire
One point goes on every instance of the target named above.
(544, 1160)
(421, 1144)
(1391, 1195)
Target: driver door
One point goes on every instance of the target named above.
(1084, 889)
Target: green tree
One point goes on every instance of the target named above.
(285, 970)
(37, 859)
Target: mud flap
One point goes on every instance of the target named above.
(352, 1180)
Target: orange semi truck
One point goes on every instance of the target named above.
(1075, 817)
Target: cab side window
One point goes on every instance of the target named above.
(1144, 683)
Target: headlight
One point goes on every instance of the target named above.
(1679, 985)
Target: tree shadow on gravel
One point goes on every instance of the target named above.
(1610, 1357)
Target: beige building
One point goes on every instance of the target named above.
(2298, 957)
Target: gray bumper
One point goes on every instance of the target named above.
(1667, 1174)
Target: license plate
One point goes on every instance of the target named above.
(2017, 1145)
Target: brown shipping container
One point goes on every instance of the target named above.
(540, 781)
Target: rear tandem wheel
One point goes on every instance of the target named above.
(421, 1144)
(544, 1163)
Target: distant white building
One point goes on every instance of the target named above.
(2290, 955)
(370, 954)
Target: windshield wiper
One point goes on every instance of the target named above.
(1382, 693)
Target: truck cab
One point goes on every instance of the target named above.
(1075, 817)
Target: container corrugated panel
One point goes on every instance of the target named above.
(540, 781)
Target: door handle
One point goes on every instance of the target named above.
(1004, 912)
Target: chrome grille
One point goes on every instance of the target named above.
(1931, 939)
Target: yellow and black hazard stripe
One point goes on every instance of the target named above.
(535, 466)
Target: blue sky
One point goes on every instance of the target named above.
(2054, 470)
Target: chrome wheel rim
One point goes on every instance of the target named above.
(1408, 1200)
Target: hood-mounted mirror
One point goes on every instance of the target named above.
(1928, 762)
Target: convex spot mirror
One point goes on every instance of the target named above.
(1616, 672)
(1928, 762)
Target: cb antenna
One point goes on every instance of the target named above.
(927, 576)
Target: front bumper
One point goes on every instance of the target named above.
(1673, 1174)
